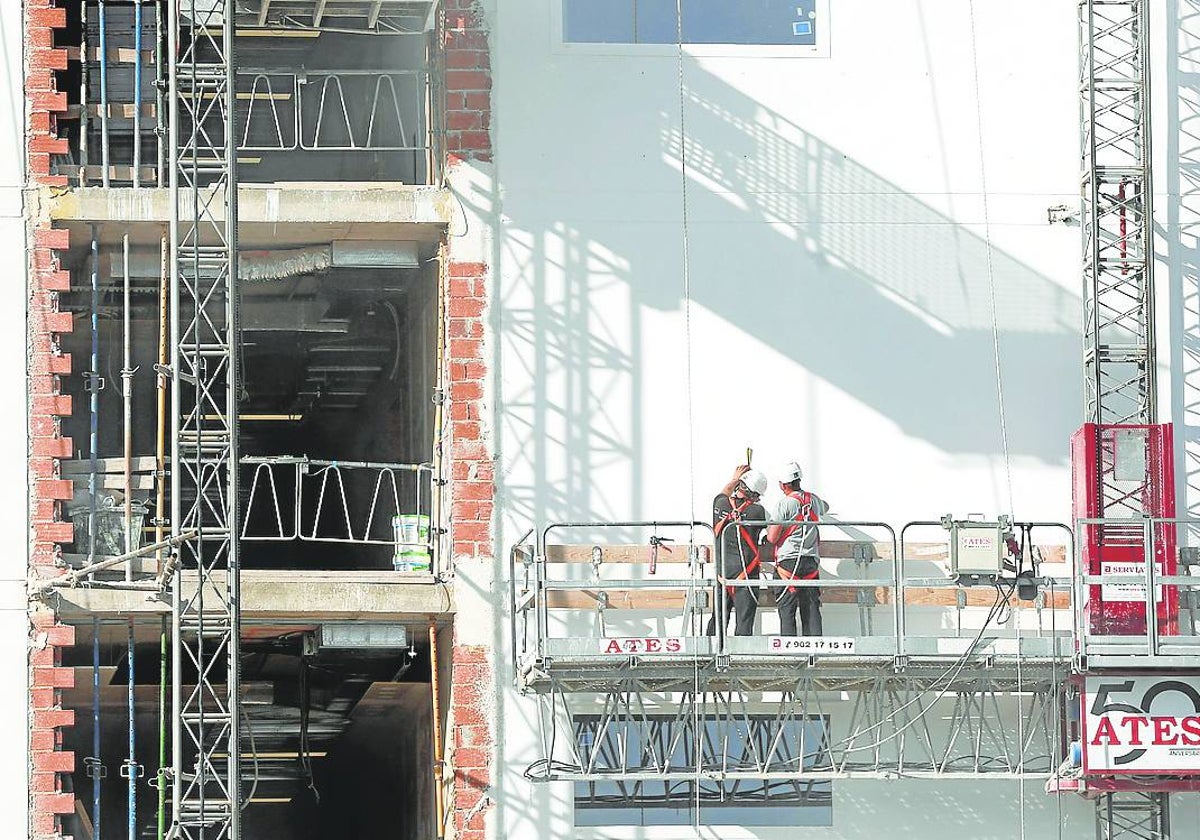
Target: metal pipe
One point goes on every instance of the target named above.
(137, 93)
(83, 94)
(172, 28)
(127, 401)
(131, 766)
(102, 11)
(73, 577)
(93, 382)
(435, 501)
(160, 125)
(96, 766)
(438, 803)
(160, 443)
(232, 395)
(161, 780)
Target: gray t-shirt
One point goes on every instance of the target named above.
(803, 540)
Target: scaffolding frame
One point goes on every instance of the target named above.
(1133, 814)
(206, 794)
(1002, 721)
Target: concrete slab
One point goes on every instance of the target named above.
(269, 214)
(274, 597)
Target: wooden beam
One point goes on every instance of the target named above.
(85, 821)
(662, 600)
(830, 550)
(116, 55)
(263, 8)
(119, 173)
(83, 466)
(116, 110)
(113, 481)
(624, 553)
(319, 13)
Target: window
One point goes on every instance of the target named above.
(764, 22)
(748, 744)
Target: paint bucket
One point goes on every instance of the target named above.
(411, 532)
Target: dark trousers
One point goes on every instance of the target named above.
(744, 604)
(806, 600)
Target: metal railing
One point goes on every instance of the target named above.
(344, 502)
(334, 110)
(561, 608)
(1142, 573)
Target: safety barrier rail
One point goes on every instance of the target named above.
(1132, 568)
(345, 502)
(333, 110)
(597, 599)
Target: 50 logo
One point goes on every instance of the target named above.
(1128, 725)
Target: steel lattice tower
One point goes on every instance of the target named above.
(1118, 281)
(1117, 215)
(205, 385)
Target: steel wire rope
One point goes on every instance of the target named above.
(987, 238)
(687, 331)
(948, 675)
(987, 235)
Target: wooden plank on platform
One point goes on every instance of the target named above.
(664, 601)
(932, 552)
(635, 553)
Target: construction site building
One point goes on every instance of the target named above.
(379, 361)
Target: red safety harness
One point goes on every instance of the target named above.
(735, 515)
(806, 514)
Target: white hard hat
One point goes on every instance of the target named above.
(755, 481)
(790, 472)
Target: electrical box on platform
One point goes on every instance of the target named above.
(977, 548)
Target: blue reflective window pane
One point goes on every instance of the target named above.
(657, 22)
(744, 802)
(598, 21)
(749, 22)
(770, 22)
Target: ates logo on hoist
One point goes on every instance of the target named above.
(640, 645)
(1141, 724)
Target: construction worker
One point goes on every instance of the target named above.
(797, 550)
(737, 546)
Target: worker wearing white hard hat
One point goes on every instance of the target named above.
(737, 546)
(797, 549)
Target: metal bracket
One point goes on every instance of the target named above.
(525, 599)
(94, 768)
(92, 381)
(130, 769)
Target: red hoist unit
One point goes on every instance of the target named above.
(1134, 465)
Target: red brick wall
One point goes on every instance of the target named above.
(468, 82)
(471, 742)
(472, 492)
(472, 476)
(472, 486)
(47, 761)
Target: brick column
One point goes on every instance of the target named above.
(472, 486)
(46, 364)
(468, 82)
(472, 491)
(471, 741)
(472, 478)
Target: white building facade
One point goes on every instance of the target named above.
(837, 251)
